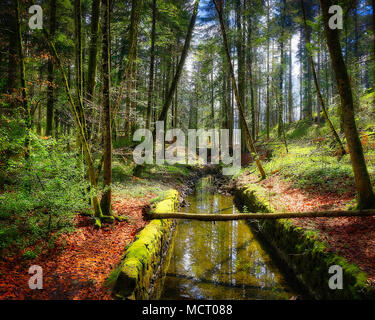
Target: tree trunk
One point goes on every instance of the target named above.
(12, 55)
(290, 87)
(25, 99)
(312, 64)
(268, 72)
(78, 62)
(79, 126)
(240, 64)
(249, 140)
(281, 75)
(93, 55)
(251, 76)
(167, 103)
(50, 90)
(106, 201)
(152, 63)
(366, 197)
(373, 30)
(127, 76)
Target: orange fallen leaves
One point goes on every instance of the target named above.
(80, 263)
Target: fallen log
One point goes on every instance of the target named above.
(255, 216)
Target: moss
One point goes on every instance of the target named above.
(133, 277)
(304, 253)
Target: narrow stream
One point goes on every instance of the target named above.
(219, 260)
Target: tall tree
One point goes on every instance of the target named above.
(268, 73)
(22, 77)
(176, 77)
(281, 71)
(78, 62)
(106, 201)
(366, 196)
(373, 30)
(129, 68)
(93, 53)
(50, 89)
(241, 62)
(320, 97)
(152, 65)
(290, 84)
(219, 8)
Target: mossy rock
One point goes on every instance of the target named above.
(144, 254)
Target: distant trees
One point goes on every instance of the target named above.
(177, 74)
(249, 140)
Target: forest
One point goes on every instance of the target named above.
(86, 83)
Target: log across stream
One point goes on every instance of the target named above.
(220, 260)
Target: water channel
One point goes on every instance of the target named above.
(220, 260)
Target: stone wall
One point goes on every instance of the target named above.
(305, 255)
(142, 267)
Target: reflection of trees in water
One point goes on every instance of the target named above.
(220, 259)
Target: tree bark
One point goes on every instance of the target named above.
(106, 201)
(312, 64)
(280, 127)
(268, 73)
(22, 75)
(127, 76)
(78, 62)
(80, 129)
(290, 87)
(50, 89)
(373, 30)
(152, 64)
(366, 197)
(93, 55)
(12, 50)
(249, 140)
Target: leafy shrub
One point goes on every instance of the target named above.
(49, 193)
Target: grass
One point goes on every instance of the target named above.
(310, 166)
(311, 160)
(150, 179)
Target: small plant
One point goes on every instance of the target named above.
(29, 255)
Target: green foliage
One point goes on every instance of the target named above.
(12, 136)
(308, 166)
(49, 192)
(29, 255)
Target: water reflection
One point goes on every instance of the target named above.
(219, 260)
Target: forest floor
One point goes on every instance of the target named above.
(79, 263)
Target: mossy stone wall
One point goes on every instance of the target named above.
(304, 254)
(143, 262)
